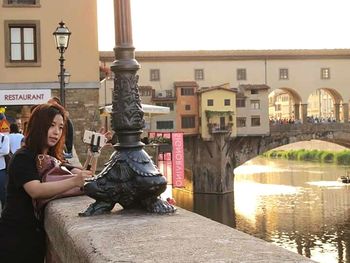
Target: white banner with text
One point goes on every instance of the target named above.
(24, 97)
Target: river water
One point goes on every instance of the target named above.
(296, 205)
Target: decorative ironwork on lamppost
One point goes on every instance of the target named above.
(130, 177)
(62, 35)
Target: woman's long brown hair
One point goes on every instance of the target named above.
(38, 125)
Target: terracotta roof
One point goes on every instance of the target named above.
(254, 86)
(185, 84)
(233, 54)
(221, 87)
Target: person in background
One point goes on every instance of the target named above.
(4, 150)
(16, 138)
(19, 124)
(68, 154)
(22, 235)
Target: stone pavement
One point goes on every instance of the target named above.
(137, 236)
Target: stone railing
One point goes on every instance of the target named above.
(136, 236)
(309, 127)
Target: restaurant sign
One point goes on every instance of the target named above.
(24, 97)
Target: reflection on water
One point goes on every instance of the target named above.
(299, 206)
(296, 205)
(217, 207)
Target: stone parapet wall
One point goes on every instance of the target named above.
(136, 236)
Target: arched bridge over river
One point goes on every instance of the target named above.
(211, 163)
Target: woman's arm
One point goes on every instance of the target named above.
(38, 190)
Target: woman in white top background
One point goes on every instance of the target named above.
(16, 138)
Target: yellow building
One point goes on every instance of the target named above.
(217, 111)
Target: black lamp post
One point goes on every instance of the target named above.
(62, 35)
(130, 177)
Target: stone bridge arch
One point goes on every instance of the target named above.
(340, 111)
(339, 101)
(209, 164)
(246, 148)
(295, 98)
(300, 103)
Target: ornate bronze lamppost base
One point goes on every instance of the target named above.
(131, 179)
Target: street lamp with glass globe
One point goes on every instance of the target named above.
(62, 35)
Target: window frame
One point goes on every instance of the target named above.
(199, 74)
(253, 104)
(210, 102)
(255, 118)
(145, 93)
(37, 43)
(15, 5)
(227, 102)
(241, 120)
(325, 73)
(188, 116)
(241, 74)
(159, 122)
(154, 74)
(283, 74)
(187, 91)
(238, 104)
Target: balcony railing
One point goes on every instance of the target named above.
(217, 128)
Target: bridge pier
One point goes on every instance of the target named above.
(210, 164)
(337, 111)
(346, 112)
(304, 113)
(297, 111)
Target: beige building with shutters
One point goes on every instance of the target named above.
(29, 65)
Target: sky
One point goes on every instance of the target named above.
(231, 24)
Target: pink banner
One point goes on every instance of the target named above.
(178, 159)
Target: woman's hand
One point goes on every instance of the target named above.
(81, 176)
(108, 135)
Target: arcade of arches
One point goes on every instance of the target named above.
(322, 105)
